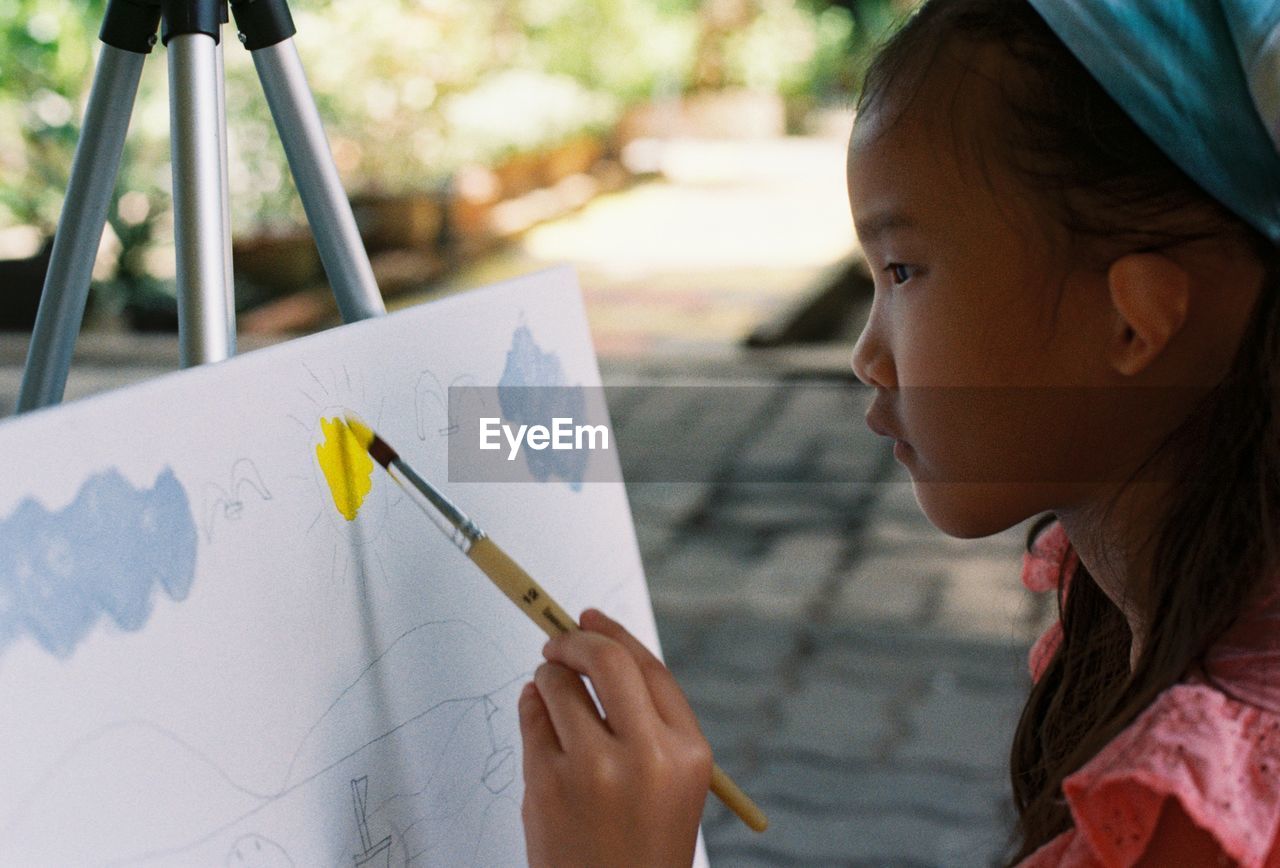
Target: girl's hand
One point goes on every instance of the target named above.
(620, 791)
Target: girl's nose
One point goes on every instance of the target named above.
(871, 361)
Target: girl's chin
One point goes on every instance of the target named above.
(973, 510)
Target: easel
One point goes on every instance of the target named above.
(202, 224)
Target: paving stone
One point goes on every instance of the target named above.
(899, 532)
(976, 668)
(745, 861)
(669, 503)
(829, 717)
(789, 505)
(834, 787)
(726, 694)
(81, 382)
(1042, 613)
(798, 427)
(653, 537)
(623, 400)
(681, 639)
(851, 460)
(749, 645)
(649, 447)
(985, 596)
(896, 496)
(788, 580)
(732, 736)
(875, 838)
(956, 727)
(703, 438)
(699, 576)
(890, 588)
(728, 415)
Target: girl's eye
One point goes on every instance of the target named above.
(898, 272)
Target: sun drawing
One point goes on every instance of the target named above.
(354, 496)
(347, 467)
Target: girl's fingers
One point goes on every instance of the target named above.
(573, 715)
(536, 733)
(614, 674)
(668, 698)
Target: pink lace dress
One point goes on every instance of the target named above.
(1216, 751)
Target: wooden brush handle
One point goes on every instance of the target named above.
(526, 593)
(520, 587)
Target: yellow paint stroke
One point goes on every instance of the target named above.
(347, 466)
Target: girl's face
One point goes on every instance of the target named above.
(970, 367)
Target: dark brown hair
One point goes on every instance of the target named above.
(1103, 181)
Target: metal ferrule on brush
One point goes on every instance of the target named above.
(461, 529)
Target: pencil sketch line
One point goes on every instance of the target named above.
(433, 816)
(180, 848)
(431, 777)
(229, 501)
(483, 816)
(102, 732)
(257, 841)
(342, 694)
(317, 379)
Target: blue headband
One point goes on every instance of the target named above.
(1201, 78)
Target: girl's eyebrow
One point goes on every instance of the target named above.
(880, 223)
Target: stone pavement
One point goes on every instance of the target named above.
(858, 672)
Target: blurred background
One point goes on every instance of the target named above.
(476, 139)
(857, 671)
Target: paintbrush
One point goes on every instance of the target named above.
(513, 581)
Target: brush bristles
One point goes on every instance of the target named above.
(381, 452)
(375, 445)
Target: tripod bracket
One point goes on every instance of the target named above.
(262, 22)
(182, 17)
(130, 25)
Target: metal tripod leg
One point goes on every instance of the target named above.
(266, 29)
(84, 213)
(346, 263)
(203, 335)
(206, 303)
(227, 268)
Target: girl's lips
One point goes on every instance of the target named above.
(877, 423)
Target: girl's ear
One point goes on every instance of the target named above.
(1150, 293)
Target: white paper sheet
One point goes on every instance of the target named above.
(204, 662)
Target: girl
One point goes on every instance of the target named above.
(1073, 209)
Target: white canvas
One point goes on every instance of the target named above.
(203, 662)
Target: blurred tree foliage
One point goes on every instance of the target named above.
(409, 91)
(47, 49)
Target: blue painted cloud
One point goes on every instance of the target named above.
(102, 554)
(529, 365)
